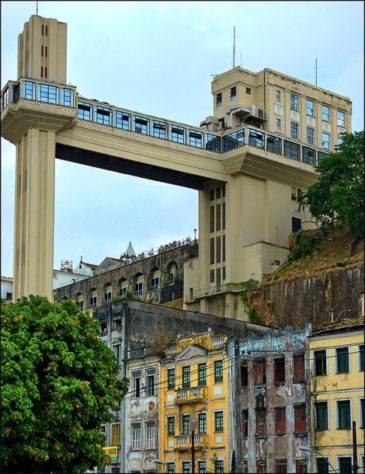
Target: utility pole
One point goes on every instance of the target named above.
(354, 448)
(192, 453)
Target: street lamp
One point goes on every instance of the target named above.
(303, 448)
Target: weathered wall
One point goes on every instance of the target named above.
(145, 267)
(301, 300)
(144, 322)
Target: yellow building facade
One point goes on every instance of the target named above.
(337, 397)
(194, 406)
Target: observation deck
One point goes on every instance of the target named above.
(101, 135)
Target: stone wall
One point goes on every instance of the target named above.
(300, 300)
(162, 262)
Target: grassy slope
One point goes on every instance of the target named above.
(333, 252)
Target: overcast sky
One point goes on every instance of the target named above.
(158, 58)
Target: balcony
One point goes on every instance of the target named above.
(183, 442)
(190, 395)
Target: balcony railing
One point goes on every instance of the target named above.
(190, 395)
(183, 442)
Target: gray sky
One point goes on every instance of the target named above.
(157, 58)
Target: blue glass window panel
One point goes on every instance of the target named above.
(274, 144)
(234, 140)
(141, 125)
(85, 111)
(177, 134)
(68, 97)
(16, 92)
(48, 94)
(29, 90)
(291, 150)
(325, 113)
(195, 138)
(103, 115)
(122, 120)
(309, 156)
(256, 139)
(213, 143)
(159, 129)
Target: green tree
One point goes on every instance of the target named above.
(338, 195)
(58, 384)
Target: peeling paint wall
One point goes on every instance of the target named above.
(262, 399)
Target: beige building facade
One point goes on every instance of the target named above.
(248, 172)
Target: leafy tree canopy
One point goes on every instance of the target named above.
(58, 384)
(338, 195)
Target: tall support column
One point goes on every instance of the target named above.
(34, 214)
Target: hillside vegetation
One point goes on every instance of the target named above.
(337, 249)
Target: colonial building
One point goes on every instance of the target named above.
(270, 402)
(194, 405)
(139, 334)
(153, 278)
(337, 360)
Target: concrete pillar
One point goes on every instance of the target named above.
(34, 214)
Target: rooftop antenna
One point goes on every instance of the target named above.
(234, 46)
(240, 59)
(36, 8)
(316, 73)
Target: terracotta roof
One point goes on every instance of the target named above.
(343, 325)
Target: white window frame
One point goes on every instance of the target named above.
(336, 359)
(359, 357)
(327, 458)
(182, 465)
(339, 121)
(294, 125)
(314, 363)
(171, 463)
(361, 419)
(329, 113)
(339, 456)
(277, 119)
(336, 412)
(136, 443)
(219, 459)
(329, 140)
(328, 415)
(151, 440)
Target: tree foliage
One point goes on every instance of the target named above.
(338, 195)
(58, 384)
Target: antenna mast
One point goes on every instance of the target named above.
(316, 72)
(36, 8)
(234, 46)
